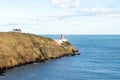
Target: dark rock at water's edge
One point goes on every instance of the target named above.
(21, 48)
(2, 72)
(77, 53)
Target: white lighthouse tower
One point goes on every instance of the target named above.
(62, 36)
(61, 40)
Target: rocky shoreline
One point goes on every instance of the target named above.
(19, 49)
(2, 71)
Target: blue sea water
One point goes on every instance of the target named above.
(99, 60)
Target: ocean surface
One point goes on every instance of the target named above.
(99, 60)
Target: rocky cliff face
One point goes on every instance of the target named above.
(21, 48)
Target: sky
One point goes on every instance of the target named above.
(61, 16)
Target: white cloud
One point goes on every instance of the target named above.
(35, 20)
(3, 22)
(77, 2)
(112, 15)
(66, 3)
(55, 1)
(96, 10)
(102, 12)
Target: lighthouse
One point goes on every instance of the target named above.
(61, 40)
(62, 36)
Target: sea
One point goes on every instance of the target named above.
(99, 59)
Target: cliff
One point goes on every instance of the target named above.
(22, 48)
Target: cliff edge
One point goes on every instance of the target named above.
(22, 48)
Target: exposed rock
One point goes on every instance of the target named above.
(21, 48)
(78, 54)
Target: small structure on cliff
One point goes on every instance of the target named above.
(61, 40)
(16, 30)
(62, 36)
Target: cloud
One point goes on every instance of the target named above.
(101, 12)
(69, 16)
(42, 18)
(5, 24)
(35, 20)
(65, 3)
(96, 10)
(76, 15)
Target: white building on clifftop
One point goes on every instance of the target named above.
(61, 40)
